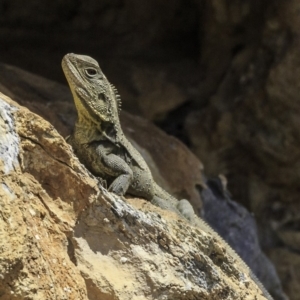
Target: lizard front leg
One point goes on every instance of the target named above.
(115, 166)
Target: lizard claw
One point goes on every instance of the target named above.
(102, 182)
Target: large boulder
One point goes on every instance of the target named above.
(173, 166)
(63, 236)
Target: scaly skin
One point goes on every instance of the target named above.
(100, 144)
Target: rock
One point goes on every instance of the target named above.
(41, 197)
(42, 96)
(290, 237)
(249, 127)
(288, 266)
(172, 165)
(236, 69)
(238, 227)
(229, 34)
(105, 28)
(152, 90)
(65, 237)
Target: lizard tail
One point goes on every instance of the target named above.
(161, 193)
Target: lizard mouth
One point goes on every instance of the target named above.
(69, 67)
(77, 86)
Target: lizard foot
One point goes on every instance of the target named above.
(186, 209)
(120, 185)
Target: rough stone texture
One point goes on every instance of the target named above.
(173, 166)
(249, 130)
(238, 227)
(41, 197)
(288, 266)
(64, 237)
(220, 74)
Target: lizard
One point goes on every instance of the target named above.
(100, 144)
(99, 141)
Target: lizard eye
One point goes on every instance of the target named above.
(90, 72)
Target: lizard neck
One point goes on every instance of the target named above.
(86, 130)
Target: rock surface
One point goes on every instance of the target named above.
(249, 129)
(41, 196)
(221, 75)
(172, 165)
(238, 227)
(65, 237)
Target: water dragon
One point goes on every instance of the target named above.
(100, 144)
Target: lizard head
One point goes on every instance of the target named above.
(95, 98)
